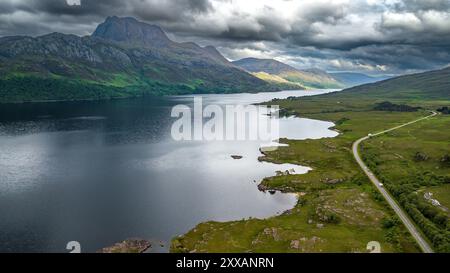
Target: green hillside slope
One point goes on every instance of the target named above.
(312, 78)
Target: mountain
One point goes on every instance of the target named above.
(131, 32)
(122, 58)
(431, 85)
(312, 78)
(352, 79)
(264, 65)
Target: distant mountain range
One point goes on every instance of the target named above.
(353, 79)
(126, 58)
(277, 72)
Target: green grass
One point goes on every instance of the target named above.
(302, 229)
(394, 159)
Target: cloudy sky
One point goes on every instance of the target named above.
(372, 36)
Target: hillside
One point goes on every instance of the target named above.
(264, 65)
(352, 79)
(431, 85)
(278, 81)
(428, 90)
(312, 78)
(122, 58)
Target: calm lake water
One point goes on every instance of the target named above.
(101, 172)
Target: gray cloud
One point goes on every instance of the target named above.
(170, 11)
(375, 36)
(421, 5)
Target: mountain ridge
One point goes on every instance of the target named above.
(429, 85)
(306, 78)
(129, 30)
(351, 79)
(123, 58)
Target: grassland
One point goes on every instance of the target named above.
(339, 210)
(410, 161)
(358, 220)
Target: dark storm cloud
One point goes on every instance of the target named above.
(170, 11)
(421, 5)
(377, 36)
(407, 58)
(7, 7)
(104, 7)
(36, 17)
(199, 5)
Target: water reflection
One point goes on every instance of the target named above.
(100, 172)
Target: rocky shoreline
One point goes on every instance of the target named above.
(128, 246)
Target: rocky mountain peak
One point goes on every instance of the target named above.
(215, 54)
(131, 31)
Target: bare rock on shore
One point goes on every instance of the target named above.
(262, 188)
(128, 246)
(295, 244)
(333, 181)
